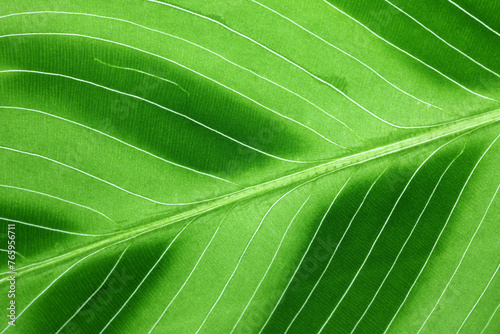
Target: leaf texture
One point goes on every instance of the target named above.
(250, 166)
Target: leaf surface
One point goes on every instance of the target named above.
(250, 167)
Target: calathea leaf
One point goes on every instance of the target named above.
(249, 166)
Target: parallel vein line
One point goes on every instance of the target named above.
(94, 293)
(475, 18)
(330, 260)
(407, 239)
(170, 110)
(409, 54)
(442, 40)
(306, 252)
(145, 277)
(118, 140)
(89, 175)
(52, 229)
(479, 299)
(270, 264)
(152, 103)
(348, 55)
(243, 254)
(142, 72)
(439, 236)
(382, 230)
(57, 198)
(197, 46)
(288, 61)
(189, 276)
(460, 262)
(491, 318)
(51, 284)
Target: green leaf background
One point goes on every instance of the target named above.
(251, 167)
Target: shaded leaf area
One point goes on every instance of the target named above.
(371, 249)
(425, 36)
(162, 131)
(408, 199)
(250, 167)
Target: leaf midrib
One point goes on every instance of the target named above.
(452, 128)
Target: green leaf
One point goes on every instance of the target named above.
(250, 167)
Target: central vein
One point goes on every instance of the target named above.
(450, 129)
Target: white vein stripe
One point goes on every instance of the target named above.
(195, 45)
(138, 97)
(189, 276)
(306, 252)
(407, 239)
(439, 236)
(244, 252)
(461, 260)
(57, 198)
(170, 110)
(479, 299)
(475, 18)
(347, 54)
(334, 252)
(52, 229)
(409, 54)
(89, 175)
(15, 252)
(142, 72)
(116, 139)
(382, 230)
(145, 277)
(107, 246)
(491, 318)
(288, 61)
(442, 40)
(52, 283)
(270, 264)
(94, 293)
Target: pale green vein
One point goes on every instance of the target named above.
(270, 264)
(94, 293)
(464, 125)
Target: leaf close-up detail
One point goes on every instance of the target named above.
(319, 166)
